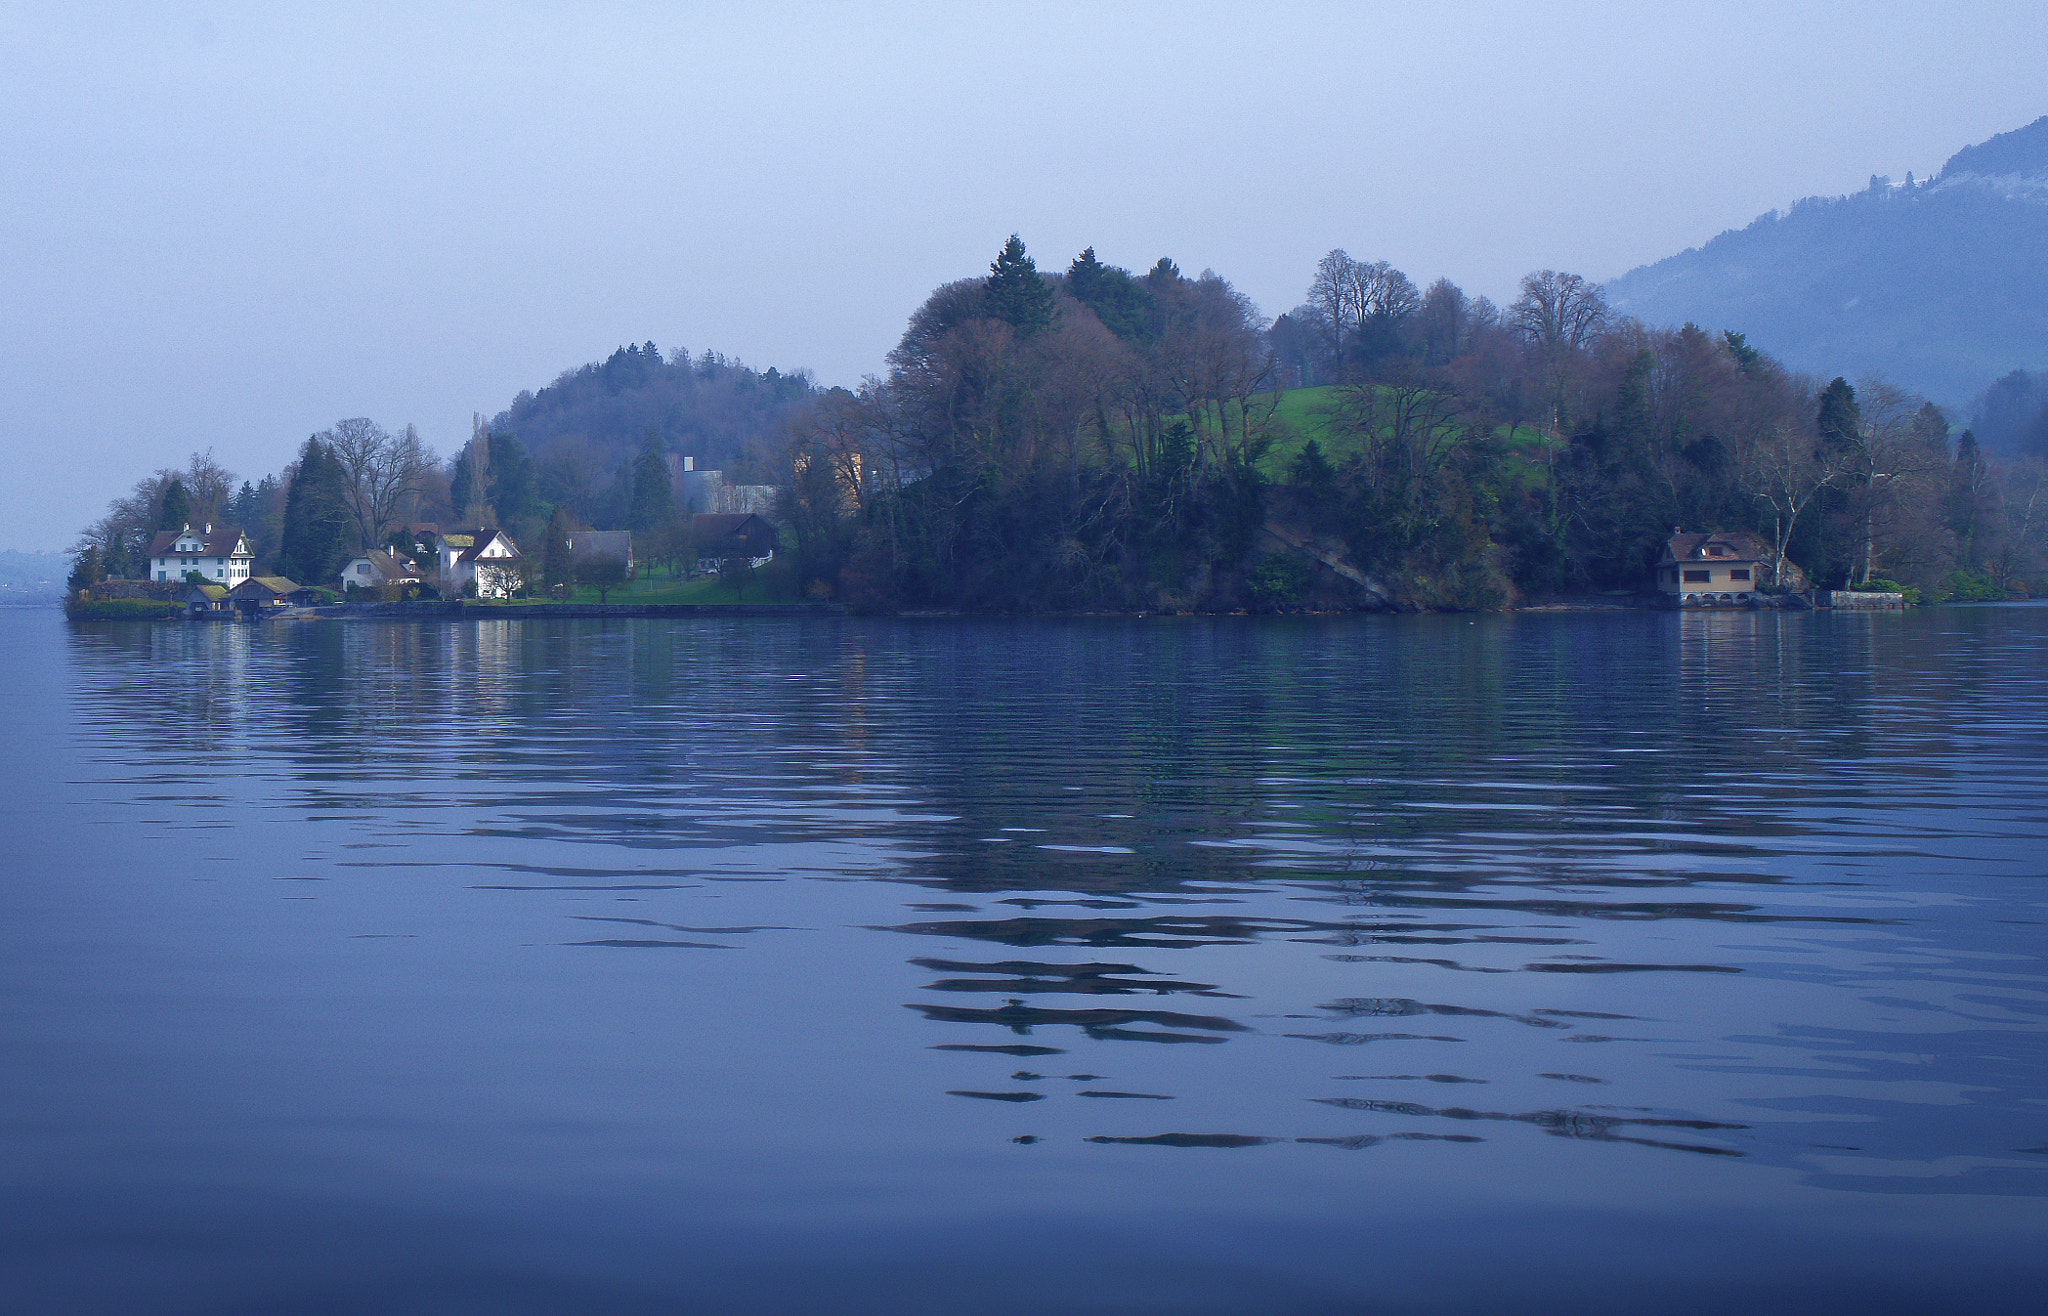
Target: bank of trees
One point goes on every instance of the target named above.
(1095, 437)
(1103, 438)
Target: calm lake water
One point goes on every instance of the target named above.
(1538, 963)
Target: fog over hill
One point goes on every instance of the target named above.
(1940, 284)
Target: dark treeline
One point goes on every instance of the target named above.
(1104, 439)
(585, 432)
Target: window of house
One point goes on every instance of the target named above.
(1698, 577)
(1738, 573)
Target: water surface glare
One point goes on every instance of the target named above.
(1586, 963)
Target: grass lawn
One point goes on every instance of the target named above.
(1304, 414)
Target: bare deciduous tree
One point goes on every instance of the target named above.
(382, 471)
(1559, 314)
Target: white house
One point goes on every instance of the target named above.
(222, 556)
(488, 557)
(378, 567)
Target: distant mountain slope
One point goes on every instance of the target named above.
(1942, 286)
(32, 577)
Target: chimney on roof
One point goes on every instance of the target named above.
(1677, 530)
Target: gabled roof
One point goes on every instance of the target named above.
(717, 525)
(1738, 546)
(387, 564)
(482, 540)
(222, 541)
(585, 545)
(212, 593)
(266, 585)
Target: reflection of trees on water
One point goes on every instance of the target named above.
(1511, 791)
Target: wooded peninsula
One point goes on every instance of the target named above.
(1103, 440)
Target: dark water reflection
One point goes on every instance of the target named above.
(1735, 921)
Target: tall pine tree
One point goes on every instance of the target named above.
(558, 566)
(176, 511)
(1016, 292)
(654, 506)
(314, 540)
(1840, 420)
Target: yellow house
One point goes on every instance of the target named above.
(1715, 568)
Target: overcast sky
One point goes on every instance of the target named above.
(228, 226)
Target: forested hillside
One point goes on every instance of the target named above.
(580, 429)
(1941, 284)
(1099, 439)
(1096, 438)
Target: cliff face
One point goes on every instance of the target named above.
(1942, 285)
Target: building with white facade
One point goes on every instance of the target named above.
(222, 556)
(488, 557)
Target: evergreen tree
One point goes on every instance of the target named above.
(1016, 292)
(1931, 428)
(316, 519)
(176, 511)
(558, 566)
(1118, 300)
(653, 499)
(511, 488)
(1840, 420)
(1746, 357)
(85, 569)
(1312, 476)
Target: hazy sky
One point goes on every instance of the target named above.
(227, 226)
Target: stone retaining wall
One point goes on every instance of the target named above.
(1857, 598)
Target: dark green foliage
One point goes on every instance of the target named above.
(1124, 305)
(603, 574)
(125, 610)
(1931, 428)
(558, 566)
(176, 512)
(1312, 476)
(85, 569)
(1840, 422)
(1016, 293)
(736, 572)
(511, 495)
(314, 537)
(1746, 357)
(653, 502)
(1281, 578)
(591, 421)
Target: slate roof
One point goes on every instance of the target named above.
(221, 543)
(717, 525)
(1740, 546)
(389, 565)
(480, 541)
